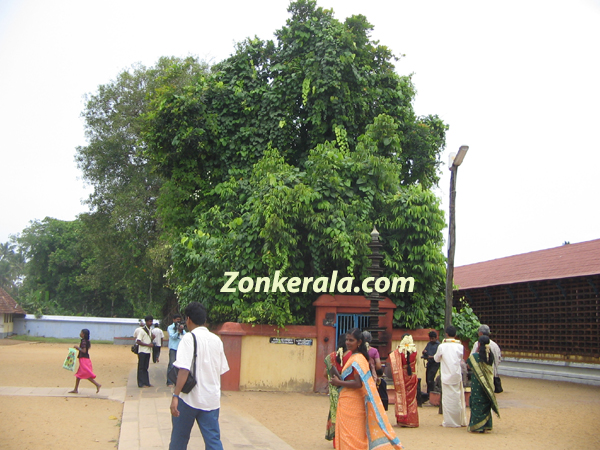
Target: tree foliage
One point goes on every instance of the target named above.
(320, 75)
(285, 156)
(127, 258)
(12, 266)
(465, 321)
(54, 258)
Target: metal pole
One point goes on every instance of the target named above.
(451, 246)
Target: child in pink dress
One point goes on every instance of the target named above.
(85, 370)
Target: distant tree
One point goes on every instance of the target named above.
(54, 260)
(12, 267)
(121, 234)
(285, 156)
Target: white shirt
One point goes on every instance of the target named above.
(450, 354)
(158, 336)
(140, 333)
(211, 363)
(495, 349)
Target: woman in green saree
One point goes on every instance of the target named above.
(334, 362)
(483, 400)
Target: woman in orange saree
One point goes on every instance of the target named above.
(362, 423)
(404, 371)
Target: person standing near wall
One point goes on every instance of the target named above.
(404, 371)
(432, 366)
(450, 355)
(483, 400)
(157, 339)
(361, 421)
(334, 363)
(176, 332)
(143, 337)
(203, 402)
(484, 330)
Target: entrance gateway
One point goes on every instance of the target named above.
(346, 322)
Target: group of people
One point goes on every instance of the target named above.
(150, 340)
(358, 393)
(357, 418)
(202, 403)
(483, 363)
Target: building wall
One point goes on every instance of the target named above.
(265, 357)
(327, 309)
(101, 328)
(549, 320)
(276, 367)
(6, 325)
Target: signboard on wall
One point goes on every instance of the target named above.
(290, 341)
(278, 340)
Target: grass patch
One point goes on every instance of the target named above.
(51, 340)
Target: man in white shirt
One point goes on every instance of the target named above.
(450, 355)
(157, 340)
(203, 402)
(484, 330)
(143, 337)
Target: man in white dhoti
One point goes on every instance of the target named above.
(450, 354)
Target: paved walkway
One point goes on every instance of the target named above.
(146, 422)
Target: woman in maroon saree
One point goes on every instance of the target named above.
(404, 371)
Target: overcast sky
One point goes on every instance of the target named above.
(517, 81)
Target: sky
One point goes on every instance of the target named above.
(516, 81)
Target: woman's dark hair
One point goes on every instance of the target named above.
(408, 369)
(358, 335)
(341, 344)
(86, 336)
(483, 354)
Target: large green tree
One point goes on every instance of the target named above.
(321, 74)
(127, 252)
(285, 156)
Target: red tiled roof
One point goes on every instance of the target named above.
(8, 305)
(572, 260)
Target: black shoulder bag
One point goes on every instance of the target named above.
(191, 379)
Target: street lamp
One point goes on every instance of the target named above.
(455, 161)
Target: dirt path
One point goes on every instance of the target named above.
(535, 414)
(55, 423)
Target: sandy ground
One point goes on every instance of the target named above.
(53, 422)
(535, 414)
